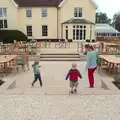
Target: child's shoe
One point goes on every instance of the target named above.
(75, 90)
(72, 91)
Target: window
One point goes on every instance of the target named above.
(44, 12)
(28, 13)
(77, 12)
(3, 12)
(79, 32)
(66, 33)
(29, 30)
(44, 30)
(3, 24)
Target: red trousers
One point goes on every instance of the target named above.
(91, 76)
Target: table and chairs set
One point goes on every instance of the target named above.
(9, 63)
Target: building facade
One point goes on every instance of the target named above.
(50, 19)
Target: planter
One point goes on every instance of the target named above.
(1, 82)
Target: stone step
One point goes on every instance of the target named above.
(58, 53)
(59, 56)
(56, 91)
(59, 59)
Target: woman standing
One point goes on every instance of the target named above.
(91, 63)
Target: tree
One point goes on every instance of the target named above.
(102, 18)
(116, 21)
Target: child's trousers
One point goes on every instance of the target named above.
(37, 77)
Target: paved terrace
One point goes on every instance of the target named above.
(53, 101)
(53, 77)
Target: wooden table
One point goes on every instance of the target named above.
(113, 62)
(6, 61)
(7, 58)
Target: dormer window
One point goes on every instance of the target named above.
(78, 12)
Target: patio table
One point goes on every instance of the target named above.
(113, 62)
(6, 61)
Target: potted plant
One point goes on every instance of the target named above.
(88, 40)
(93, 40)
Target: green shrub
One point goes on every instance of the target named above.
(87, 40)
(115, 53)
(117, 81)
(8, 36)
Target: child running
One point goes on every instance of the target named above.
(36, 73)
(73, 75)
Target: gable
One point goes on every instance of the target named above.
(92, 2)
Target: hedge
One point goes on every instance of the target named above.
(8, 36)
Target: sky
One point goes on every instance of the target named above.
(108, 6)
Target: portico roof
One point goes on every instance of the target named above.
(77, 21)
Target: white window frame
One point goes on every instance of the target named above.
(79, 11)
(28, 12)
(44, 12)
(3, 21)
(28, 31)
(3, 12)
(42, 31)
(83, 37)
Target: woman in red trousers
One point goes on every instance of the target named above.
(91, 63)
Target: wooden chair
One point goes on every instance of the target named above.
(104, 65)
(13, 65)
(23, 61)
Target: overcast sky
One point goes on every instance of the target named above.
(108, 6)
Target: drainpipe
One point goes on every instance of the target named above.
(57, 21)
(90, 33)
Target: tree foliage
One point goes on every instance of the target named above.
(102, 18)
(116, 21)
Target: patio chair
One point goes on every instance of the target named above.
(13, 65)
(103, 65)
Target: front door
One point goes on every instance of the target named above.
(79, 32)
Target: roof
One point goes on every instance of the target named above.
(105, 28)
(31, 3)
(94, 3)
(77, 21)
